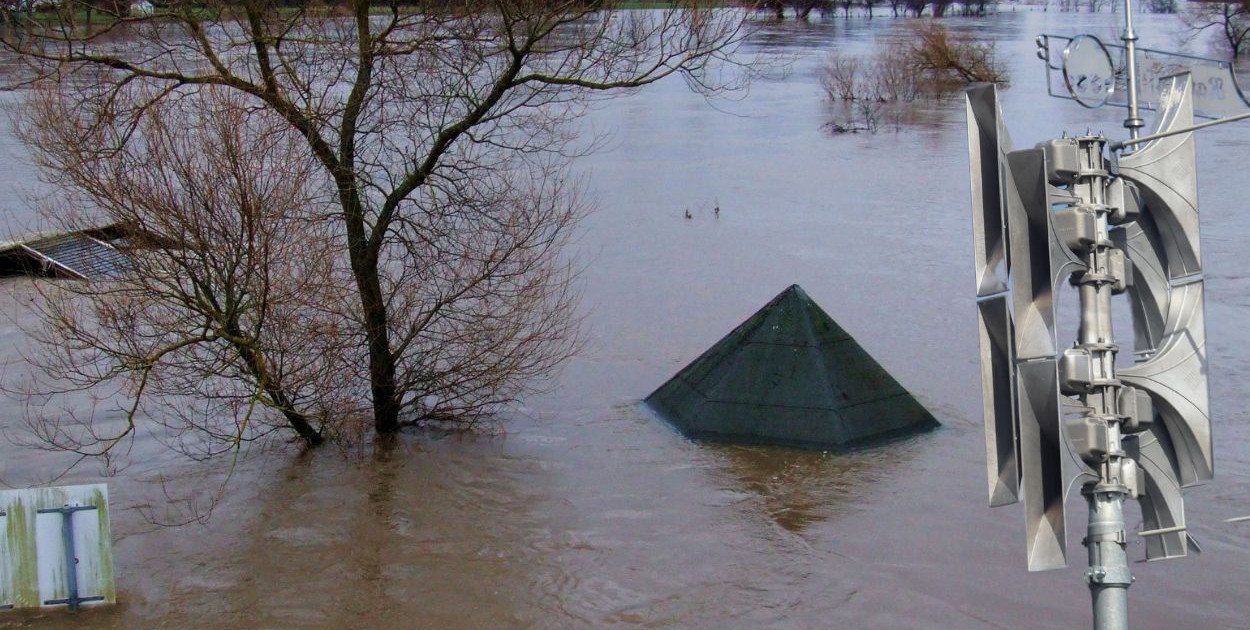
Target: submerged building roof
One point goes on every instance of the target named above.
(86, 254)
(789, 375)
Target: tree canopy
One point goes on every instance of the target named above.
(396, 173)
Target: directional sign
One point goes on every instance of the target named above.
(1087, 71)
(1215, 90)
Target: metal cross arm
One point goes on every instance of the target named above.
(1118, 146)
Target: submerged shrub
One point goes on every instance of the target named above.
(953, 61)
(932, 64)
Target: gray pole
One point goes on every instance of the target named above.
(1108, 574)
(1134, 122)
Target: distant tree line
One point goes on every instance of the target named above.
(803, 9)
(1097, 6)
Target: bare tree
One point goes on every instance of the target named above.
(1230, 19)
(776, 7)
(940, 7)
(226, 282)
(842, 77)
(979, 8)
(930, 64)
(953, 60)
(442, 132)
(802, 8)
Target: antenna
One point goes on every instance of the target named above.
(1134, 122)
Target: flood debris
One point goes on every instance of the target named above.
(789, 375)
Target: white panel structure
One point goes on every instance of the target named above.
(55, 547)
(6, 580)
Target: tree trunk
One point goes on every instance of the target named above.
(258, 366)
(364, 262)
(364, 249)
(381, 361)
(298, 421)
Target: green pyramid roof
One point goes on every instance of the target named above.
(789, 375)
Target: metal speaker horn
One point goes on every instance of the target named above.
(998, 384)
(1039, 261)
(1176, 379)
(1150, 289)
(1167, 298)
(1165, 171)
(988, 145)
(1039, 258)
(1159, 493)
(1048, 465)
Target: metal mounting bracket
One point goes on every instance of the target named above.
(71, 556)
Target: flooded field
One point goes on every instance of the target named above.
(585, 510)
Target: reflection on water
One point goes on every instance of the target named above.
(799, 488)
(588, 511)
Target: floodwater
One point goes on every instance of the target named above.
(585, 510)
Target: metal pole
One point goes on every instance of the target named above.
(1134, 121)
(1108, 574)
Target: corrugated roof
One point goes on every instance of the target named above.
(74, 254)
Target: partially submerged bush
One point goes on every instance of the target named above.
(932, 64)
(892, 75)
(953, 60)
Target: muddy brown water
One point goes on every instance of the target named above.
(584, 510)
